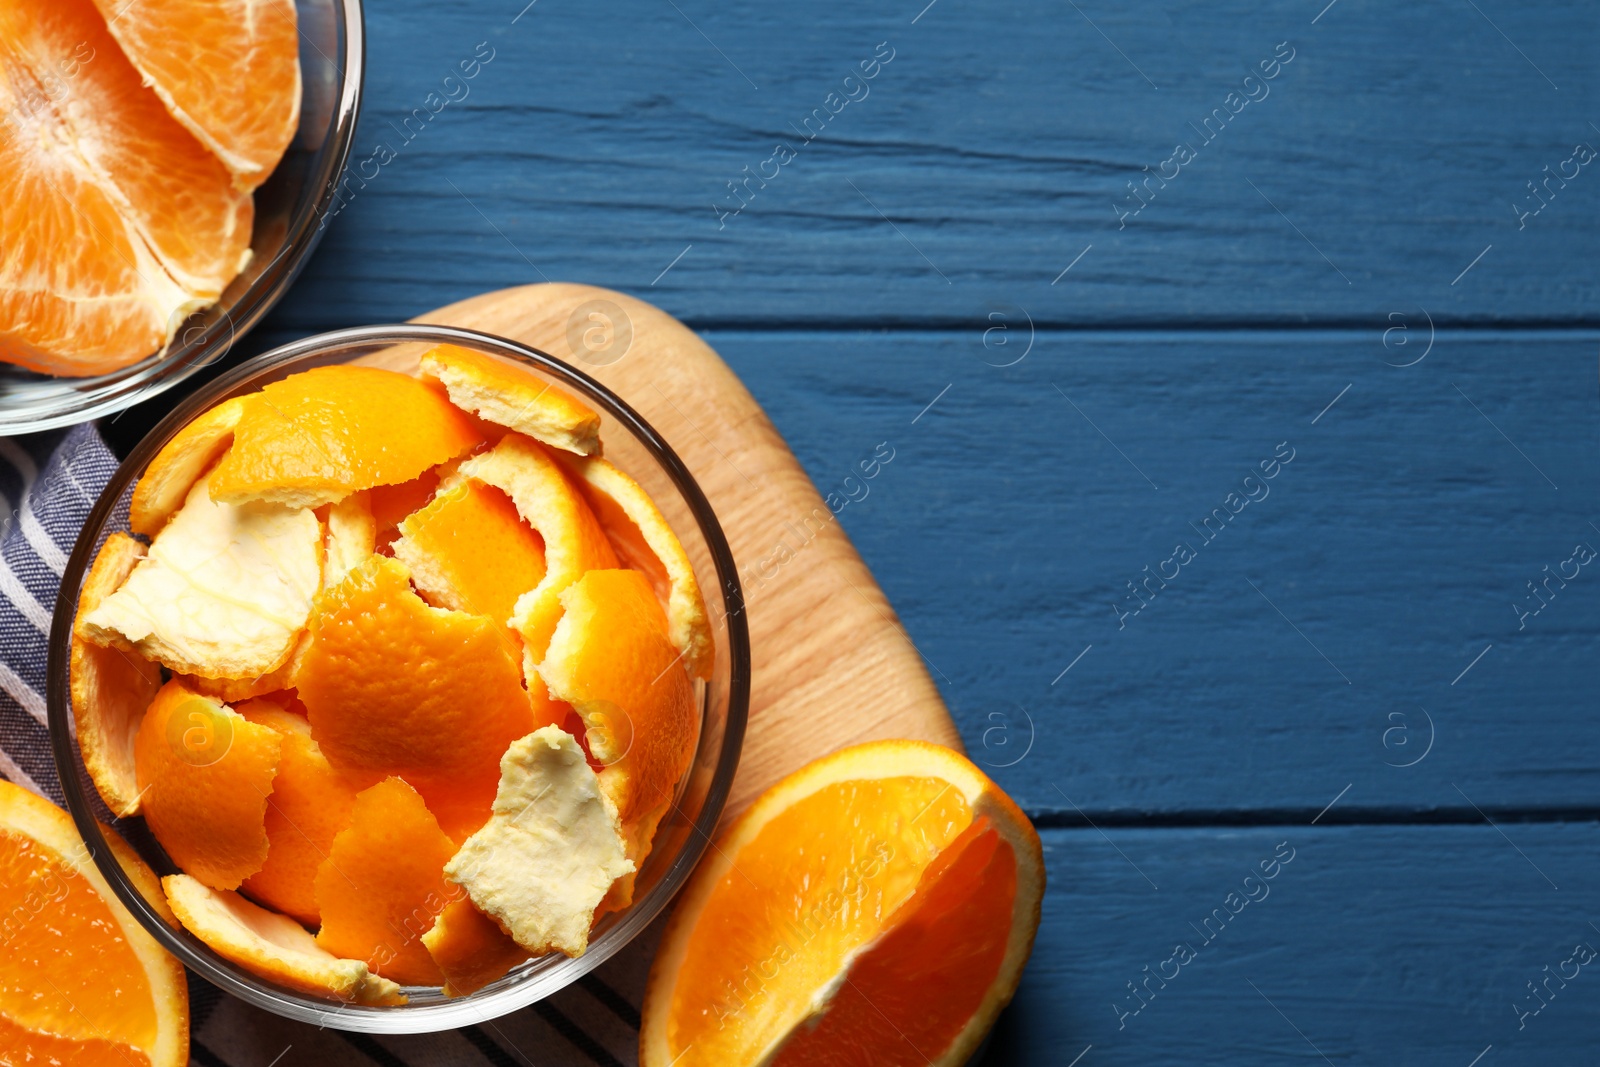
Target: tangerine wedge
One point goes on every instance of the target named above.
(318, 436)
(187, 52)
(643, 541)
(394, 686)
(501, 392)
(81, 982)
(110, 687)
(205, 773)
(272, 945)
(876, 906)
(382, 886)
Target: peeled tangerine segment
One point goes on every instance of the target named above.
(547, 500)
(394, 686)
(205, 773)
(611, 660)
(318, 436)
(470, 949)
(110, 687)
(501, 392)
(81, 981)
(270, 945)
(310, 803)
(185, 51)
(382, 886)
(547, 857)
(470, 551)
(224, 592)
(644, 541)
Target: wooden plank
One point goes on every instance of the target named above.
(1371, 945)
(993, 149)
(1395, 542)
(831, 665)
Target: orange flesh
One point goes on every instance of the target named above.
(782, 923)
(928, 974)
(67, 968)
(29, 1047)
(383, 886)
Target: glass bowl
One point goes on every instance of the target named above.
(290, 216)
(634, 447)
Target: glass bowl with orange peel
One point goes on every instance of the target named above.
(169, 169)
(415, 662)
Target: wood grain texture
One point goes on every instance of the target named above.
(831, 666)
(986, 156)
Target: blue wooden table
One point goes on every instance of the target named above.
(1240, 363)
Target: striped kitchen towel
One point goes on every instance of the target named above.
(48, 482)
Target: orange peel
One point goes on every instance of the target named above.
(470, 949)
(273, 946)
(506, 394)
(110, 687)
(165, 483)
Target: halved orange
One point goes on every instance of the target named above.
(310, 803)
(643, 541)
(82, 982)
(382, 886)
(394, 686)
(165, 483)
(110, 687)
(318, 436)
(205, 773)
(611, 660)
(228, 71)
(876, 906)
(573, 541)
(501, 392)
(272, 945)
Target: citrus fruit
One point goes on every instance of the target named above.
(318, 436)
(81, 982)
(228, 71)
(611, 660)
(470, 551)
(382, 886)
(165, 483)
(271, 945)
(469, 948)
(205, 774)
(395, 686)
(309, 804)
(501, 392)
(548, 502)
(545, 860)
(110, 687)
(645, 542)
(876, 906)
(224, 591)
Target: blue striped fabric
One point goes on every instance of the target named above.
(48, 482)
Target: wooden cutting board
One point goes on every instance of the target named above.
(831, 664)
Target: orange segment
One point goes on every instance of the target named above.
(110, 687)
(178, 196)
(506, 394)
(228, 71)
(643, 541)
(893, 869)
(79, 978)
(320, 435)
(382, 886)
(394, 686)
(547, 500)
(165, 483)
(310, 803)
(206, 773)
(611, 660)
(272, 946)
(470, 949)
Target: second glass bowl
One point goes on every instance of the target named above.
(633, 446)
